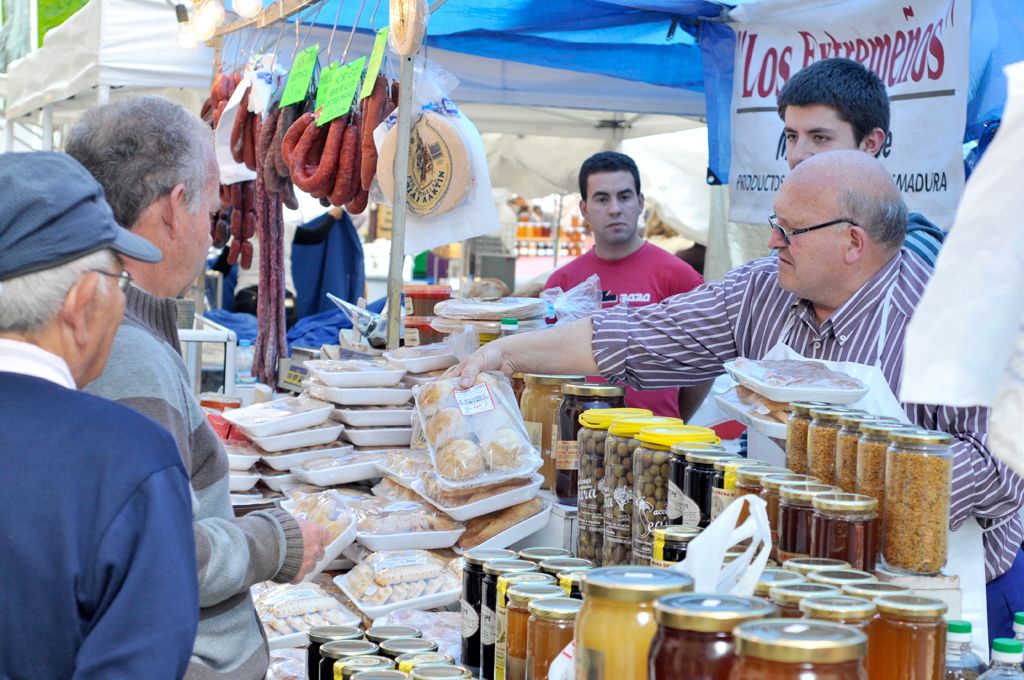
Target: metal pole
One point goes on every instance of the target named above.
(103, 95)
(48, 127)
(558, 230)
(399, 209)
(9, 135)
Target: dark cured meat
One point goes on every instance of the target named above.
(359, 203)
(284, 123)
(287, 195)
(270, 338)
(306, 157)
(246, 258)
(322, 180)
(348, 165)
(292, 137)
(238, 130)
(252, 133)
(372, 117)
(264, 152)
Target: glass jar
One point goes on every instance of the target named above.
(724, 491)
(694, 638)
(539, 405)
(780, 649)
(616, 625)
(489, 609)
(592, 480)
(788, 597)
(850, 611)
(846, 449)
(396, 647)
(321, 635)
(557, 565)
(795, 511)
(821, 443)
(775, 577)
(549, 629)
(796, 434)
(506, 582)
(539, 554)
(805, 565)
(407, 662)
(342, 649)
(364, 666)
(845, 526)
(670, 544)
(577, 398)
(379, 634)
(771, 486)
(518, 387)
(652, 484)
(572, 583)
(748, 481)
(510, 652)
(618, 498)
(908, 639)
(439, 673)
(871, 451)
(692, 481)
(840, 577)
(473, 562)
(918, 475)
(872, 590)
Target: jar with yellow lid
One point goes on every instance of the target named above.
(539, 405)
(874, 590)
(748, 481)
(342, 649)
(489, 609)
(771, 486)
(549, 630)
(578, 398)
(796, 507)
(652, 482)
(788, 597)
(774, 576)
(845, 526)
(615, 627)
(407, 662)
(694, 638)
(805, 565)
(671, 543)
(350, 667)
(872, 447)
(618, 498)
(784, 649)
(909, 639)
(321, 635)
(821, 443)
(847, 441)
(918, 476)
(539, 554)
(572, 583)
(510, 652)
(473, 562)
(845, 609)
(724, 491)
(841, 576)
(592, 480)
(507, 582)
(796, 434)
(691, 481)
(557, 565)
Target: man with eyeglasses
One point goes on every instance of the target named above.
(97, 557)
(842, 288)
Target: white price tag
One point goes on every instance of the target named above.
(477, 399)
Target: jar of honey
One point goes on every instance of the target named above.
(852, 611)
(784, 649)
(771, 486)
(840, 577)
(845, 526)
(540, 403)
(788, 597)
(510, 653)
(748, 481)
(549, 629)
(872, 590)
(796, 507)
(909, 639)
(773, 576)
(805, 565)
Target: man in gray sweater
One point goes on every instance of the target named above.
(157, 166)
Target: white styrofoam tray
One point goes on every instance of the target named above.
(243, 498)
(280, 482)
(334, 476)
(242, 481)
(423, 540)
(241, 461)
(407, 482)
(270, 418)
(787, 394)
(426, 602)
(302, 438)
(333, 548)
(300, 639)
(482, 507)
(379, 436)
(385, 376)
(374, 417)
(414, 379)
(361, 396)
(289, 459)
(516, 532)
(423, 364)
(769, 428)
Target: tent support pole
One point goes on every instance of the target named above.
(103, 95)
(400, 206)
(558, 230)
(9, 135)
(48, 128)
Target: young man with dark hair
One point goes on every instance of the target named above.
(840, 104)
(631, 270)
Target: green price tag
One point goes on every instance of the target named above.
(337, 97)
(376, 57)
(300, 75)
(323, 89)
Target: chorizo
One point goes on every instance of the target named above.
(246, 255)
(234, 250)
(348, 167)
(284, 122)
(292, 137)
(372, 117)
(359, 203)
(252, 131)
(237, 130)
(306, 157)
(323, 179)
(287, 195)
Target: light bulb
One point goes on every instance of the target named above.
(203, 24)
(186, 36)
(247, 9)
(216, 10)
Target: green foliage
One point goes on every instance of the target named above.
(54, 12)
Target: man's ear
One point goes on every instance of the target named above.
(640, 197)
(176, 211)
(873, 141)
(583, 208)
(80, 305)
(857, 244)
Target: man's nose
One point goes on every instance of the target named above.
(799, 151)
(775, 240)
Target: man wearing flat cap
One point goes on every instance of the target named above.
(97, 561)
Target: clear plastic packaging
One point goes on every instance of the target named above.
(287, 609)
(385, 516)
(398, 576)
(405, 467)
(492, 310)
(389, 488)
(579, 302)
(327, 510)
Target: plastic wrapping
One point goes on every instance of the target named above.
(434, 488)
(386, 516)
(444, 628)
(286, 609)
(406, 467)
(390, 489)
(397, 576)
(492, 310)
(326, 509)
(483, 528)
(579, 302)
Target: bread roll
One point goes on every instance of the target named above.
(446, 426)
(460, 460)
(435, 396)
(504, 449)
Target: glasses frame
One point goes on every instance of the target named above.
(124, 279)
(787, 235)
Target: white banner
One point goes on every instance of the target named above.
(919, 48)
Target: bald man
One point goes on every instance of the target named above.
(838, 225)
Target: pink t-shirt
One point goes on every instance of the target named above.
(649, 275)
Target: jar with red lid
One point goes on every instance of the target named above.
(420, 299)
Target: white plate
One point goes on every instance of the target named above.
(242, 481)
(345, 474)
(769, 428)
(385, 376)
(374, 417)
(289, 459)
(424, 364)
(361, 396)
(482, 507)
(280, 482)
(787, 394)
(423, 540)
(516, 532)
(242, 461)
(379, 436)
(425, 602)
(333, 548)
(300, 439)
(270, 418)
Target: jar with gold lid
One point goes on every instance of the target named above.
(342, 649)
(407, 662)
(872, 590)
(363, 667)
(556, 565)
(774, 576)
(841, 576)
(909, 639)
(670, 544)
(576, 399)
(748, 481)
(691, 482)
(506, 582)
(379, 634)
(539, 554)
(539, 405)
(805, 565)
(771, 486)
(615, 627)
(821, 443)
(847, 440)
(494, 569)
(796, 434)
(694, 638)
(724, 491)
(852, 611)
(845, 526)
(321, 635)
(396, 647)
(784, 649)
(549, 630)
(510, 651)
(788, 597)
(872, 447)
(796, 507)
(440, 673)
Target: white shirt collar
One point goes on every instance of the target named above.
(28, 359)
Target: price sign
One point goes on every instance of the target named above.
(376, 57)
(336, 98)
(300, 75)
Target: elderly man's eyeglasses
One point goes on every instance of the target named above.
(123, 277)
(787, 235)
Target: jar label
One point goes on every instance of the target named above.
(536, 432)
(720, 499)
(477, 399)
(691, 512)
(566, 455)
(674, 506)
(409, 311)
(553, 444)
(664, 564)
(470, 620)
(783, 556)
(412, 337)
(488, 626)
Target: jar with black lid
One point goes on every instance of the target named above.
(342, 649)
(472, 599)
(489, 613)
(577, 398)
(671, 543)
(691, 481)
(321, 635)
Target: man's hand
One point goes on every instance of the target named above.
(314, 540)
(487, 358)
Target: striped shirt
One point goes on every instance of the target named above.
(685, 339)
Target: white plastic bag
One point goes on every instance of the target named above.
(231, 171)
(579, 302)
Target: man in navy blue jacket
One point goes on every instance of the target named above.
(97, 556)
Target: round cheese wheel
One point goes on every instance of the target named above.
(439, 168)
(407, 25)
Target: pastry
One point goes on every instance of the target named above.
(460, 460)
(488, 526)
(445, 426)
(492, 381)
(435, 396)
(453, 498)
(504, 449)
